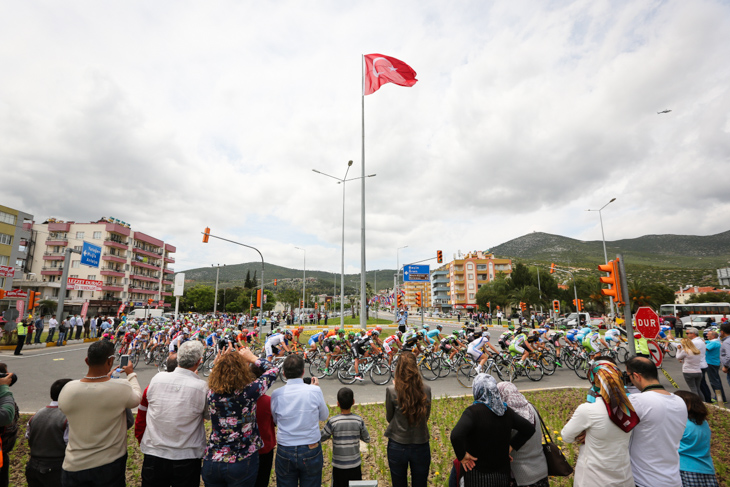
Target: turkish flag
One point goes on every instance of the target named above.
(380, 69)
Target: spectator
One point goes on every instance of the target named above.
(22, 333)
(231, 458)
(173, 450)
(52, 324)
(529, 467)
(695, 461)
(713, 364)
(603, 428)
(725, 349)
(407, 409)
(8, 422)
(70, 324)
(38, 329)
(694, 334)
(267, 431)
(297, 409)
(346, 430)
(689, 356)
(488, 462)
(79, 327)
(655, 440)
(87, 327)
(140, 421)
(63, 328)
(47, 434)
(96, 454)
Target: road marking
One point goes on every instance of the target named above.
(42, 354)
(58, 359)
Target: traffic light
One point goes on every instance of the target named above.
(206, 234)
(552, 268)
(400, 300)
(2, 294)
(613, 279)
(274, 282)
(439, 257)
(556, 305)
(258, 298)
(579, 305)
(523, 306)
(316, 305)
(301, 303)
(34, 299)
(149, 301)
(418, 298)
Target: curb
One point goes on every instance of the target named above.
(47, 344)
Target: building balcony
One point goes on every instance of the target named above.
(112, 288)
(116, 228)
(165, 293)
(148, 253)
(145, 265)
(169, 260)
(147, 239)
(133, 289)
(166, 283)
(51, 271)
(168, 270)
(59, 227)
(440, 280)
(115, 244)
(140, 277)
(114, 258)
(56, 241)
(112, 272)
(53, 256)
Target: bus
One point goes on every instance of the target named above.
(696, 314)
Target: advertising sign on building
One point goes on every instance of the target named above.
(16, 294)
(7, 271)
(20, 306)
(83, 284)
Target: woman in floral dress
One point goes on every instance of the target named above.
(231, 458)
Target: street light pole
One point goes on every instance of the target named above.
(605, 254)
(342, 275)
(304, 279)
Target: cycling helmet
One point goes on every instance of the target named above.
(301, 329)
(288, 333)
(426, 326)
(376, 332)
(511, 327)
(534, 332)
(462, 334)
(379, 328)
(341, 332)
(439, 327)
(456, 333)
(419, 333)
(399, 333)
(325, 330)
(486, 334)
(219, 331)
(186, 331)
(351, 335)
(547, 326)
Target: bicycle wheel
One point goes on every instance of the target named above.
(208, 366)
(466, 374)
(429, 370)
(148, 358)
(671, 349)
(622, 354)
(581, 368)
(533, 370)
(134, 358)
(380, 373)
(570, 360)
(547, 362)
(346, 374)
(443, 367)
(317, 368)
(506, 371)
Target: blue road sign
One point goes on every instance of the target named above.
(90, 255)
(416, 273)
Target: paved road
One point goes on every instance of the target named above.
(38, 368)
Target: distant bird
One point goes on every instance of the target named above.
(663, 111)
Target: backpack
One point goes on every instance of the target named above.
(9, 433)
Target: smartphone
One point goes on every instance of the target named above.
(125, 361)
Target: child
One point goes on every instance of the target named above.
(346, 430)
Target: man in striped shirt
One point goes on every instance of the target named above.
(346, 430)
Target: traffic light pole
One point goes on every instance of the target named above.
(627, 306)
(64, 278)
(423, 295)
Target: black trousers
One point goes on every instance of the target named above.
(43, 477)
(678, 332)
(266, 460)
(19, 346)
(161, 472)
(109, 475)
(341, 476)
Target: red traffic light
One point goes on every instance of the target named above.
(206, 234)
(552, 268)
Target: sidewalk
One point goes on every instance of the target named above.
(43, 344)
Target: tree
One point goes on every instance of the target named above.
(290, 297)
(719, 297)
(520, 276)
(495, 292)
(247, 283)
(200, 298)
(526, 294)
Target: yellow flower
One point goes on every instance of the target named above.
(437, 473)
(555, 432)
(560, 438)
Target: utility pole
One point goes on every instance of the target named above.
(215, 301)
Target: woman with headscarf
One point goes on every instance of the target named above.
(529, 467)
(482, 439)
(604, 429)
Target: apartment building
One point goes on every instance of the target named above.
(468, 272)
(440, 289)
(16, 242)
(410, 289)
(134, 266)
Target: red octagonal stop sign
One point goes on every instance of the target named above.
(647, 322)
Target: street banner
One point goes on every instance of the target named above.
(16, 294)
(7, 271)
(83, 284)
(121, 308)
(84, 309)
(20, 306)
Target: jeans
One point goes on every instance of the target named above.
(61, 336)
(693, 382)
(51, 332)
(38, 333)
(161, 472)
(109, 475)
(298, 465)
(400, 456)
(239, 474)
(713, 375)
(678, 332)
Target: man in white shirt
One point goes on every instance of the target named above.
(52, 324)
(654, 446)
(694, 335)
(297, 409)
(174, 440)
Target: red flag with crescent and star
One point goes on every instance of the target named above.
(380, 69)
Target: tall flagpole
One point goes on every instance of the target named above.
(363, 304)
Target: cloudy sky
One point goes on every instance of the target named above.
(177, 115)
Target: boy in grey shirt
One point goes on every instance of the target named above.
(346, 430)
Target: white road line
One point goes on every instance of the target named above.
(40, 354)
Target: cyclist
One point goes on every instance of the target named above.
(613, 337)
(477, 348)
(315, 339)
(360, 348)
(410, 341)
(451, 343)
(181, 338)
(390, 342)
(273, 342)
(520, 346)
(296, 333)
(592, 342)
(332, 347)
(534, 339)
(434, 337)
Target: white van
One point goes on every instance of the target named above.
(140, 313)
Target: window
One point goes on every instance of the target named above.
(471, 295)
(75, 264)
(56, 249)
(74, 276)
(124, 295)
(470, 277)
(4, 259)
(481, 267)
(80, 235)
(97, 235)
(78, 247)
(51, 278)
(471, 286)
(92, 277)
(7, 218)
(2, 282)
(470, 266)
(80, 294)
(6, 239)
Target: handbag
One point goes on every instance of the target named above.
(558, 466)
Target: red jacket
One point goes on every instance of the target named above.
(265, 423)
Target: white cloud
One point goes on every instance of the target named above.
(175, 116)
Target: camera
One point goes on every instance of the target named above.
(625, 377)
(12, 381)
(307, 380)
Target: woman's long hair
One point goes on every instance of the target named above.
(689, 347)
(409, 389)
(230, 373)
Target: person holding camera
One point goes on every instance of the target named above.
(95, 407)
(297, 409)
(8, 422)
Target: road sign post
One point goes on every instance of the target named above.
(647, 322)
(416, 273)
